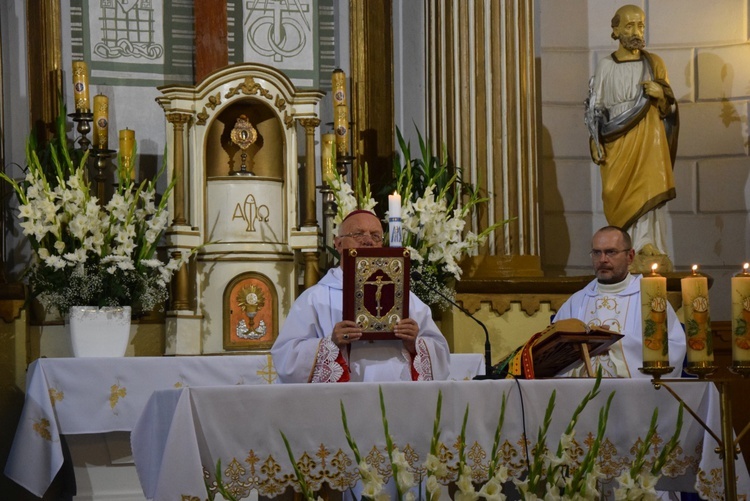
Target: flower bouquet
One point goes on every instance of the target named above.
(86, 253)
(436, 204)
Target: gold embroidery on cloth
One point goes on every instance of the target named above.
(337, 469)
(267, 373)
(55, 396)
(41, 427)
(116, 392)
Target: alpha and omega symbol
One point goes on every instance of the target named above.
(250, 212)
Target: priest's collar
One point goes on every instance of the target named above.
(615, 288)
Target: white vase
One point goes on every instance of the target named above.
(99, 332)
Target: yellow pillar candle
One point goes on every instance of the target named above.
(338, 86)
(101, 122)
(654, 317)
(81, 86)
(327, 157)
(741, 317)
(341, 126)
(696, 317)
(127, 150)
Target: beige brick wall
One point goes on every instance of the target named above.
(707, 51)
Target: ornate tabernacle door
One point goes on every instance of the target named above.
(233, 151)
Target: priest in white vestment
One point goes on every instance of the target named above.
(316, 345)
(613, 300)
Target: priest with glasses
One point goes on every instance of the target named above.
(316, 345)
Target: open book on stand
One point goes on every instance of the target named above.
(376, 289)
(561, 347)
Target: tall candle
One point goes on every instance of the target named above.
(101, 122)
(81, 86)
(741, 316)
(127, 150)
(338, 87)
(395, 238)
(341, 126)
(654, 317)
(696, 317)
(327, 157)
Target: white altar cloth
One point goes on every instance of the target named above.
(99, 395)
(182, 434)
(72, 396)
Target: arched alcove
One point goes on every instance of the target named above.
(265, 157)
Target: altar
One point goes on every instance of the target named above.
(184, 433)
(85, 398)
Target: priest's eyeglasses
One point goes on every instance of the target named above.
(362, 236)
(609, 253)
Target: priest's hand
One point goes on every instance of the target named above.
(345, 332)
(407, 329)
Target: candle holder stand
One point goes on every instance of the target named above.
(701, 369)
(656, 369)
(740, 368)
(102, 160)
(83, 118)
(329, 213)
(728, 446)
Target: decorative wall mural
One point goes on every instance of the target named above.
(150, 42)
(127, 30)
(280, 30)
(133, 42)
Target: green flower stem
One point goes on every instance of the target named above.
(496, 443)
(303, 485)
(347, 433)
(462, 444)
(389, 447)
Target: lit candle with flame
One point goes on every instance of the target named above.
(741, 317)
(394, 220)
(696, 317)
(654, 317)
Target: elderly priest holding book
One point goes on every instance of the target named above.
(316, 345)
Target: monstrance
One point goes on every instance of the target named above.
(243, 135)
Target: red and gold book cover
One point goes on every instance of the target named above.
(376, 289)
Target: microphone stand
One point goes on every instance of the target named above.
(416, 276)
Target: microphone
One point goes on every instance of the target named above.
(416, 276)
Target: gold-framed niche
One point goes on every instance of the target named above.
(252, 219)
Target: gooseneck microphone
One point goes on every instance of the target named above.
(416, 276)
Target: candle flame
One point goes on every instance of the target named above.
(695, 269)
(745, 267)
(395, 192)
(653, 268)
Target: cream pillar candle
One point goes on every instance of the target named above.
(394, 220)
(696, 317)
(101, 122)
(654, 317)
(741, 317)
(81, 86)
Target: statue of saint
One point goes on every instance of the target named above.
(631, 114)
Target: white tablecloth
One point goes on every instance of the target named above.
(70, 396)
(182, 434)
(99, 395)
